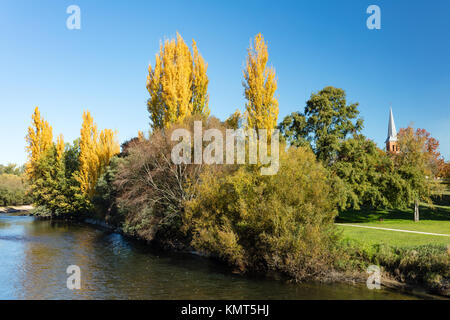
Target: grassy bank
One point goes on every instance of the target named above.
(407, 257)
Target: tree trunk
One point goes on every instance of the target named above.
(416, 211)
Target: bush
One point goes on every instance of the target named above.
(153, 190)
(13, 190)
(262, 223)
(41, 212)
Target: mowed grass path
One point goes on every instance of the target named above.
(435, 220)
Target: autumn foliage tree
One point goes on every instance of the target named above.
(49, 170)
(60, 147)
(260, 85)
(444, 171)
(39, 139)
(64, 176)
(96, 150)
(418, 163)
(177, 84)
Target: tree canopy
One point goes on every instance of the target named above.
(368, 176)
(326, 122)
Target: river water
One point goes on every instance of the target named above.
(35, 254)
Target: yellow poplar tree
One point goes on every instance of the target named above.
(88, 157)
(177, 84)
(260, 85)
(96, 150)
(39, 140)
(107, 148)
(59, 147)
(200, 97)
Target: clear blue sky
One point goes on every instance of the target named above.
(312, 44)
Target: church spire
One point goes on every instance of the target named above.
(392, 132)
(391, 141)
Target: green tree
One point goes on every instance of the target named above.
(56, 192)
(48, 188)
(326, 122)
(368, 176)
(105, 198)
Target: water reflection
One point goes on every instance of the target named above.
(34, 256)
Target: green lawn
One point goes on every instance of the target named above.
(399, 239)
(435, 220)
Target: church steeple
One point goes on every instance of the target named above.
(391, 141)
(392, 132)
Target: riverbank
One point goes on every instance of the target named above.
(390, 280)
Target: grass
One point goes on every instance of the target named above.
(433, 220)
(392, 238)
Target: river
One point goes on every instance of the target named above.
(35, 254)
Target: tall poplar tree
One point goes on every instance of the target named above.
(59, 147)
(96, 150)
(177, 84)
(39, 140)
(260, 85)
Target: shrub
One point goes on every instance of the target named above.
(153, 190)
(41, 212)
(13, 190)
(261, 223)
